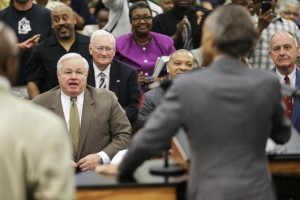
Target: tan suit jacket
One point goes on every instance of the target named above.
(35, 153)
(104, 125)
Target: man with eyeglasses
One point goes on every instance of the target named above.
(107, 73)
(41, 74)
(97, 123)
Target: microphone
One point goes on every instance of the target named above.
(287, 90)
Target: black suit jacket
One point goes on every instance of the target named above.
(123, 82)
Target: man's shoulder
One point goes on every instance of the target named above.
(29, 111)
(5, 11)
(40, 9)
(49, 41)
(99, 92)
(82, 38)
(155, 93)
(46, 97)
(122, 66)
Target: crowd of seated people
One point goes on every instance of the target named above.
(121, 41)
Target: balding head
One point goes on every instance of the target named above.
(63, 22)
(180, 61)
(284, 51)
(8, 52)
(63, 8)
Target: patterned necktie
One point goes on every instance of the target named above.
(102, 83)
(74, 125)
(287, 99)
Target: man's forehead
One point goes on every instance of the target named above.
(61, 11)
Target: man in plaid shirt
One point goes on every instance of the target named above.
(268, 24)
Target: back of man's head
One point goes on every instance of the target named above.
(232, 30)
(8, 51)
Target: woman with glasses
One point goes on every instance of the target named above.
(141, 48)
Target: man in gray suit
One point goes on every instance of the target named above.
(35, 151)
(101, 128)
(181, 61)
(228, 112)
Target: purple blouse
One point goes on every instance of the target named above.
(143, 58)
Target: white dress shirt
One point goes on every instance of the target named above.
(292, 77)
(97, 72)
(66, 104)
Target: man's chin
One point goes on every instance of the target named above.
(73, 92)
(64, 36)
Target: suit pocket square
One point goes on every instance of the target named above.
(118, 81)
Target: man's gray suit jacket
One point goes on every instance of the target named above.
(104, 125)
(228, 112)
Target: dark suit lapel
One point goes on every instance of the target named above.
(114, 78)
(296, 106)
(91, 75)
(86, 117)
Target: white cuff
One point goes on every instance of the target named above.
(105, 158)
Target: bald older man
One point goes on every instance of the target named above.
(181, 61)
(41, 75)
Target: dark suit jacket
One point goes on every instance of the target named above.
(228, 112)
(104, 125)
(123, 82)
(296, 104)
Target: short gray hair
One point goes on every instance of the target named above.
(102, 33)
(69, 56)
(291, 34)
(173, 55)
(284, 4)
(232, 30)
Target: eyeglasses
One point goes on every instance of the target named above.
(102, 48)
(137, 19)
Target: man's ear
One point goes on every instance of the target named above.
(168, 66)
(90, 49)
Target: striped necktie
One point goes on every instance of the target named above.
(102, 83)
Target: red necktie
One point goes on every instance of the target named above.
(287, 99)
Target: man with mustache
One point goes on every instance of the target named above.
(41, 74)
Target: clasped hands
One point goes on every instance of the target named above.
(87, 163)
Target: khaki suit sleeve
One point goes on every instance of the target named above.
(120, 129)
(54, 176)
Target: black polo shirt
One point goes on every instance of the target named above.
(43, 60)
(26, 24)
